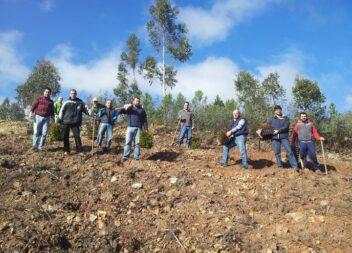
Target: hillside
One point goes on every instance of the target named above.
(170, 201)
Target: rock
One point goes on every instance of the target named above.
(132, 205)
(92, 217)
(296, 216)
(4, 226)
(173, 180)
(324, 202)
(113, 179)
(17, 184)
(281, 229)
(101, 215)
(137, 186)
(70, 218)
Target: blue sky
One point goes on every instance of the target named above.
(84, 40)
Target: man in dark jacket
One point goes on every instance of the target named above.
(136, 120)
(71, 116)
(108, 116)
(239, 131)
(43, 108)
(281, 125)
(305, 130)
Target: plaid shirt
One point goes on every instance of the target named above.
(43, 106)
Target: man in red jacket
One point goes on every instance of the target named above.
(305, 130)
(43, 108)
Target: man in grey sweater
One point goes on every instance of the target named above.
(186, 118)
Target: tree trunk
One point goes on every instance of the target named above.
(164, 85)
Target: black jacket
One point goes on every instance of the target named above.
(71, 112)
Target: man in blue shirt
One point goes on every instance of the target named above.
(239, 131)
(136, 120)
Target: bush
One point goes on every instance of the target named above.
(195, 143)
(146, 139)
(89, 130)
(56, 132)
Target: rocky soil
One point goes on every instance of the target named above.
(172, 200)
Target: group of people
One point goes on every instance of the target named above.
(70, 115)
(70, 112)
(304, 131)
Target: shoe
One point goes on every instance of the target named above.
(223, 164)
(245, 168)
(124, 159)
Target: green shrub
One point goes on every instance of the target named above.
(89, 130)
(196, 142)
(146, 139)
(56, 132)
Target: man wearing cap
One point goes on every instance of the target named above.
(96, 107)
(281, 125)
(305, 130)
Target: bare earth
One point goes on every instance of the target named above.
(184, 202)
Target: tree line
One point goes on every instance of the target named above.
(255, 98)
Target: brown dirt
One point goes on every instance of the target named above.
(188, 203)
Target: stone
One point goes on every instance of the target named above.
(324, 202)
(92, 217)
(173, 180)
(113, 179)
(296, 216)
(137, 186)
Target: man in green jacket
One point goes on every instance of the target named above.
(57, 107)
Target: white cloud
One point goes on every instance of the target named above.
(47, 5)
(12, 69)
(214, 76)
(288, 65)
(93, 76)
(349, 102)
(208, 26)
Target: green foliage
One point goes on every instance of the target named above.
(44, 74)
(272, 89)
(56, 132)
(168, 38)
(252, 99)
(11, 111)
(308, 97)
(146, 139)
(196, 142)
(218, 101)
(126, 90)
(89, 130)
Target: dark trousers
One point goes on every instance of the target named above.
(308, 147)
(76, 134)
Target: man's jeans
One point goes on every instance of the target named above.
(132, 134)
(277, 149)
(105, 127)
(308, 147)
(185, 130)
(40, 127)
(239, 141)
